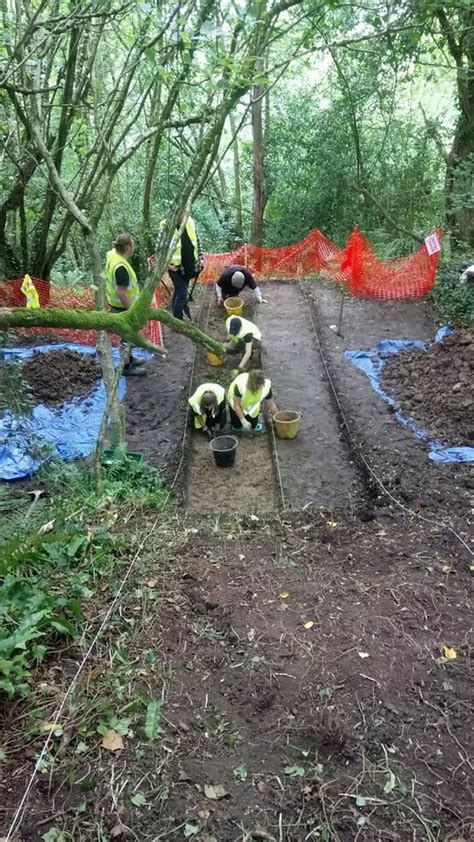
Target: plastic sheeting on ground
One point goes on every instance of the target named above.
(372, 363)
(69, 430)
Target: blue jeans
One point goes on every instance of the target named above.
(180, 297)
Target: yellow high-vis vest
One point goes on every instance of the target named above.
(195, 401)
(250, 401)
(246, 328)
(29, 291)
(192, 234)
(112, 261)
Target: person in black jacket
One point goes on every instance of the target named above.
(232, 282)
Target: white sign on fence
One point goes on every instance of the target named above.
(432, 244)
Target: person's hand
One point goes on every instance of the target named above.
(221, 302)
(246, 424)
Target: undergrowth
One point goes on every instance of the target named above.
(58, 544)
(454, 301)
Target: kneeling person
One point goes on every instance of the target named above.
(242, 336)
(207, 406)
(245, 397)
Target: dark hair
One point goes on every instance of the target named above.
(123, 242)
(256, 379)
(234, 325)
(208, 400)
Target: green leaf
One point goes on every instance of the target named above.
(360, 801)
(390, 783)
(241, 773)
(152, 723)
(3, 756)
(294, 771)
(74, 607)
(138, 799)
(191, 830)
(63, 626)
(54, 835)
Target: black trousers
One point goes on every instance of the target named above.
(236, 422)
(180, 280)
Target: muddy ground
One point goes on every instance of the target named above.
(306, 695)
(436, 387)
(58, 376)
(299, 655)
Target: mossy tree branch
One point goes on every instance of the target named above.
(118, 323)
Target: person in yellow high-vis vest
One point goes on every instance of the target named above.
(186, 263)
(245, 397)
(208, 408)
(122, 290)
(243, 336)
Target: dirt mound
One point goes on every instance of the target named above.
(57, 376)
(435, 387)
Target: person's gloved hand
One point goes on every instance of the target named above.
(246, 424)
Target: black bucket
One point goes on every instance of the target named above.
(224, 449)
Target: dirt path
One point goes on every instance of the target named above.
(316, 468)
(249, 487)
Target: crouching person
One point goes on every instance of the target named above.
(208, 408)
(245, 397)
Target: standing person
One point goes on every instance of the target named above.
(186, 263)
(122, 290)
(242, 336)
(208, 405)
(245, 397)
(233, 280)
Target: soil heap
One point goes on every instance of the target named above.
(436, 387)
(57, 376)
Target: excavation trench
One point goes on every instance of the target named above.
(314, 470)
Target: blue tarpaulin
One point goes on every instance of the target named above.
(69, 431)
(372, 363)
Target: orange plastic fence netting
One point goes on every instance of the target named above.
(356, 265)
(69, 297)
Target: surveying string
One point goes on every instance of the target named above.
(379, 482)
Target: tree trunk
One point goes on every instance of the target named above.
(239, 229)
(459, 183)
(258, 152)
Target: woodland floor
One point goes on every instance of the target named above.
(290, 614)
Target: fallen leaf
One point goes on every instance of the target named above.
(56, 728)
(294, 771)
(152, 583)
(332, 523)
(204, 815)
(471, 568)
(360, 801)
(191, 830)
(117, 830)
(309, 624)
(241, 557)
(448, 653)
(138, 800)
(284, 595)
(215, 791)
(363, 654)
(251, 635)
(446, 568)
(112, 741)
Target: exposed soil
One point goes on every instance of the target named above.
(317, 469)
(248, 487)
(399, 459)
(357, 722)
(57, 376)
(155, 405)
(436, 387)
